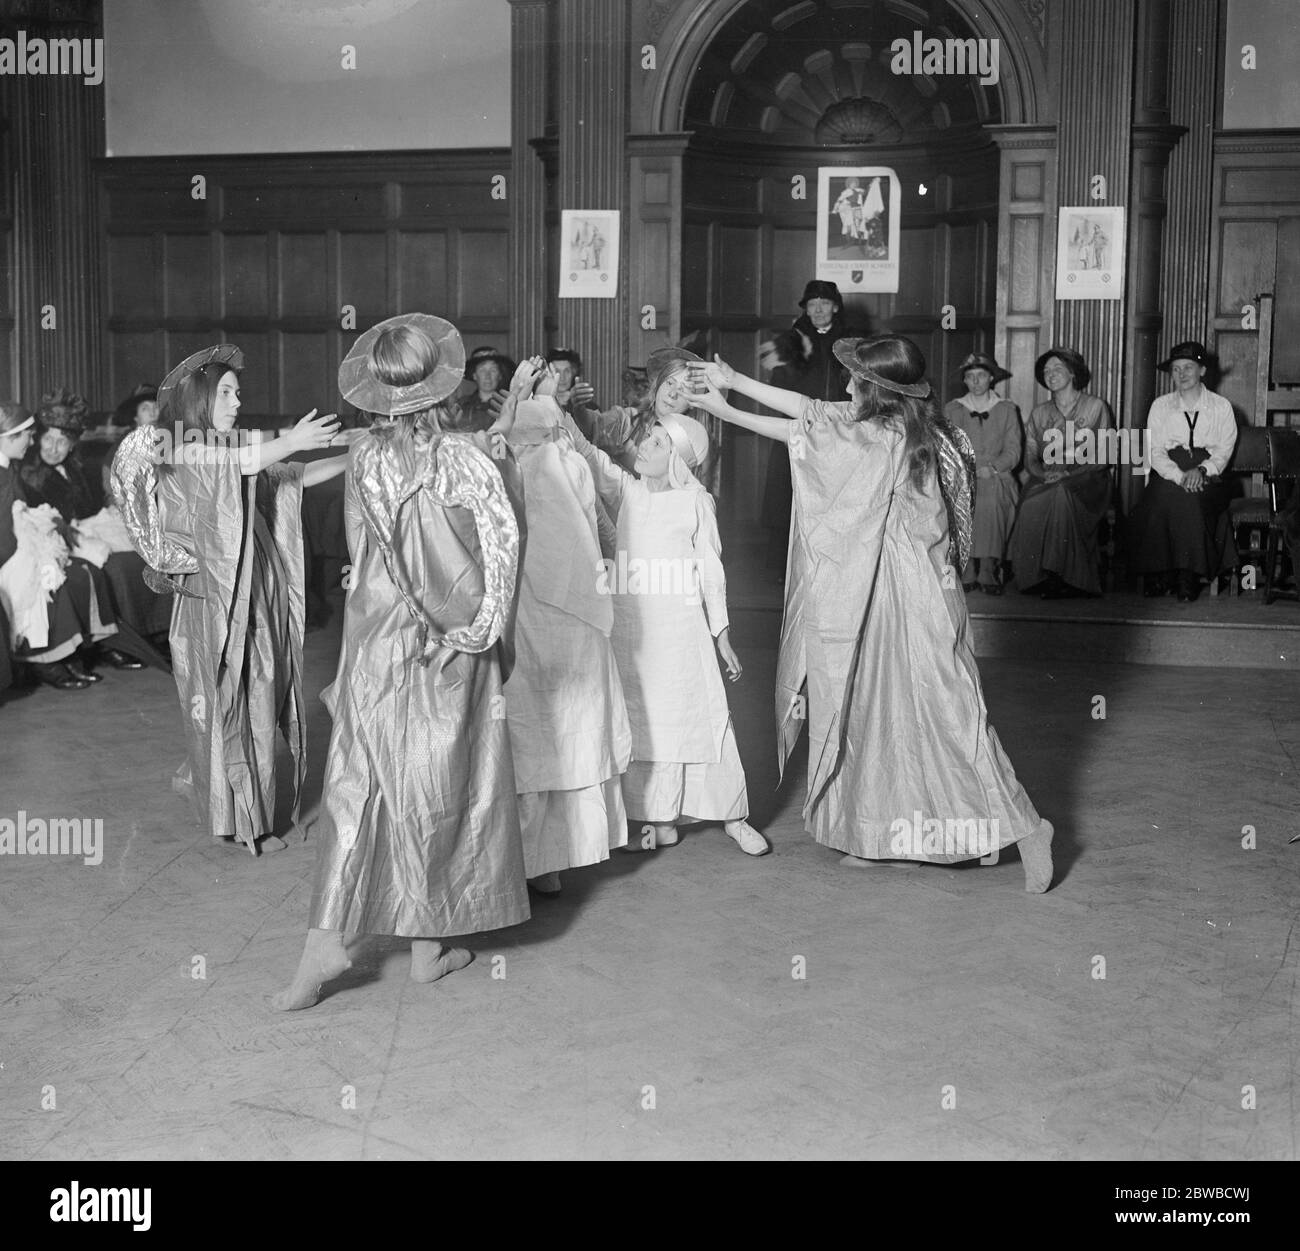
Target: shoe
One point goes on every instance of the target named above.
(750, 841)
(968, 587)
(119, 660)
(1154, 588)
(546, 883)
(60, 677)
(990, 588)
(80, 672)
(1189, 588)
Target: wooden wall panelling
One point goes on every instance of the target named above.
(1256, 195)
(278, 248)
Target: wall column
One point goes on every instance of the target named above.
(530, 101)
(56, 129)
(592, 62)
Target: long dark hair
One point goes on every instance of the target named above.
(900, 360)
(192, 401)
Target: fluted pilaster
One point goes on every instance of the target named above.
(530, 70)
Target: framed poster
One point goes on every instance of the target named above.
(588, 254)
(857, 227)
(1090, 254)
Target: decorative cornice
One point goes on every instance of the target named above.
(1022, 136)
(672, 144)
(1157, 136)
(1256, 141)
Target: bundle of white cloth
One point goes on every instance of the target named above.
(29, 578)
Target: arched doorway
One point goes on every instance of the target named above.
(771, 90)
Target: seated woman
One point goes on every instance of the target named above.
(51, 603)
(1180, 531)
(52, 474)
(1054, 539)
(993, 426)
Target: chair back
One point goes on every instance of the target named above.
(1283, 453)
(1251, 454)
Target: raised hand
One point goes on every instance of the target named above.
(581, 394)
(313, 433)
(705, 395)
(526, 376)
(720, 374)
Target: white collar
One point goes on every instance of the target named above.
(990, 401)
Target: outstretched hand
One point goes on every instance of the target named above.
(313, 433)
(720, 374)
(706, 396)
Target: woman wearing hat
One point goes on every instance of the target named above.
(418, 835)
(993, 426)
(53, 605)
(875, 650)
(53, 475)
(486, 374)
(1054, 538)
(667, 639)
(221, 524)
(1179, 534)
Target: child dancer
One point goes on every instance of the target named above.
(419, 830)
(903, 764)
(685, 765)
(564, 702)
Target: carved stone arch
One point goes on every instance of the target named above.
(1018, 25)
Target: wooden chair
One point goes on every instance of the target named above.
(1250, 514)
(1283, 482)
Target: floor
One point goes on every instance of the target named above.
(692, 1002)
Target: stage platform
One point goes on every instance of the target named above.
(1122, 627)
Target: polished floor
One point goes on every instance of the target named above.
(692, 1002)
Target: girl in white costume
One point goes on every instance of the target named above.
(670, 611)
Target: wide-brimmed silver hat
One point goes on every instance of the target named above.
(359, 386)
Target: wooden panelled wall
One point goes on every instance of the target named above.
(280, 246)
(749, 248)
(8, 319)
(1255, 247)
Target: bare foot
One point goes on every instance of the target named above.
(269, 843)
(323, 958)
(1036, 856)
(430, 960)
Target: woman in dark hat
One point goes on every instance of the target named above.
(219, 523)
(487, 373)
(53, 475)
(140, 408)
(876, 653)
(1179, 534)
(1054, 538)
(46, 631)
(993, 426)
(418, 835)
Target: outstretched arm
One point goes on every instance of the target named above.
(521, 387)
(712, 401)
(723, 377)
(311, 434)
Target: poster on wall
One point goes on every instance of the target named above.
(857, 227)
(588, 254)
(1090, 254)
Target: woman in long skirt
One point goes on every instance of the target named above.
(221, 524)
(875, 653)
(419, 829)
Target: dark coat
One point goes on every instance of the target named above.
(72, 496)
